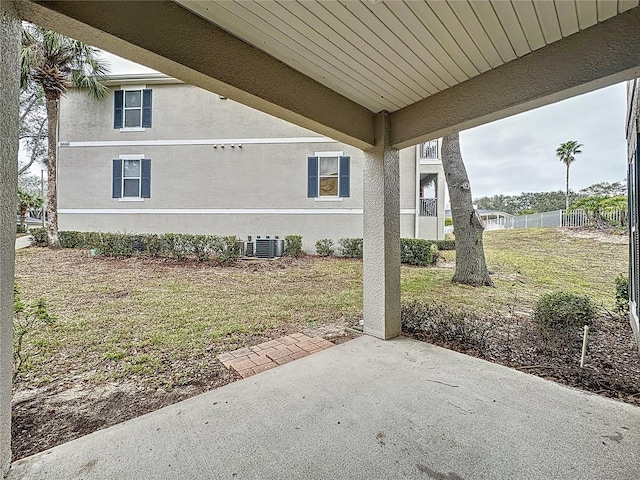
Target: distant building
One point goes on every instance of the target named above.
(162, 156)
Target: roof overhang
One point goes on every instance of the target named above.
(482, 64)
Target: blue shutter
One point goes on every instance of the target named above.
(146, 108)
(117, 179)
(117, 109)
(344, 177)
(312, 177)
(145, 189)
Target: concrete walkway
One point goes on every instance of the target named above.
(23, 242)
(366, 409)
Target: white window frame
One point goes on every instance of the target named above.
(328, 198)
(129, 88)
(139, 198)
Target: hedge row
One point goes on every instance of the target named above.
(225, 249)
(175, 245)
(413, 251)
(445, 244)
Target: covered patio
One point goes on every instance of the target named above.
(366, 409)
(378, 75)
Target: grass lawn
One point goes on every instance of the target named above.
(526, 264)
(162, 321)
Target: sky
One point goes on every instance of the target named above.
(517, 154)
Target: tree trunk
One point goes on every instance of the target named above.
(52, 185)
(23, 214)
(566, 196)
(471, 267)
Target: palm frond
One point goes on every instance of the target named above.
(57, 62)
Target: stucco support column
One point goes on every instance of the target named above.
(382, 235)
(9, 91)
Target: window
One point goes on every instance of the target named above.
(131, 178)
(429, 150)
(132, 109)
(328, 176)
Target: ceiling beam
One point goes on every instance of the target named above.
(599, 56)
(169, 38)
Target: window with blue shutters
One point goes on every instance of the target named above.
(132, 108)
(328, 176)
(131, 178)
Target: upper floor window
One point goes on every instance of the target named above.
(132, 108)
(131, 177)
(429, 150)
(328, 176)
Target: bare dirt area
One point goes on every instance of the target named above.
(45, 417)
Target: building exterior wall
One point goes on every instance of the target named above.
(633, 182)
(217, 167)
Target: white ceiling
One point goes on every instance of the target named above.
(388, 54)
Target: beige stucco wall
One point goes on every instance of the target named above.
(180, 111)
(184, 178)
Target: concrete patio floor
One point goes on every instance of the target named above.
(366, 409)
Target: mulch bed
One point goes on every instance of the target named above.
(612, 366)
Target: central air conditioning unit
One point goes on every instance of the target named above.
(268, 246)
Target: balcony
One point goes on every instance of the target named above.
(428, 207)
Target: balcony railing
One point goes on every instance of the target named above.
(428, 207)
(429, 150)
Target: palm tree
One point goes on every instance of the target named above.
(57, 63)
(567, 152)
(26, 201)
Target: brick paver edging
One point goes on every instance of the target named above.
(252, 360)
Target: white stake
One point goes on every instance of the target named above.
(584, 345)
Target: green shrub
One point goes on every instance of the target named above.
(39, 237)
(292, 245)
(114, 245)
(622, 294)
(156, 245)
(350, 247)
(438, 322)
(21, 229)
(201, 246)
(564, 311)
(228, 249)
(416, 251)
(177, 245)
(445, 244)
(324, 247)
(71, 239)
(448, 221)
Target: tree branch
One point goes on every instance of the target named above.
(35, 148)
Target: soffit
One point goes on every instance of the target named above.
(386, 55)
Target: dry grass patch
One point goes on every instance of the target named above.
(137, 317)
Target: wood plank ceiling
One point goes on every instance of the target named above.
(386, 55)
